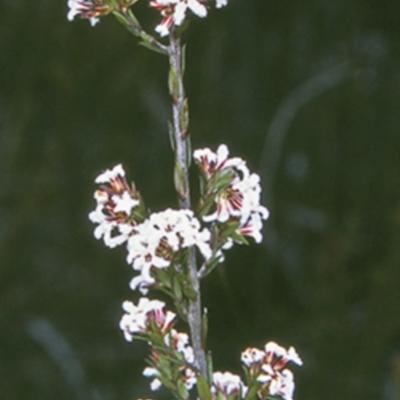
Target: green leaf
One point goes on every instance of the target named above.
(212, 265)
(204, 328)
(179, 180)
(173, 83)
(183, 60)
(206, 204)
(189, 150)
(150, 43)
(182, 391)
(162, 276)
(176, 288)
(237, 237)
(203, 390)
(121, 19)
(220, 396)
(189, 292)
(210, 368)
(252, 392)
(171, 132)
(184, 117)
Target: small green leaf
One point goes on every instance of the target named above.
(204, 328)
(176, 288)
(189, 150)
(210, 367)
(220, 396)
(150, 43)
(179, 180)
(206, 204)
(189, 292)
(203, 390)
(173, 83)
(184, 117)
(183, 60)
(171, 132)
(237, 237)
(121, 19)
(162, 276)
(252, 392)
(182, 391)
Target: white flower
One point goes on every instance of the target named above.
(226, 383)
(155, 242)
(252, 356)
(237, 199)
(283, 385)
(277, 356)
(221, 3)
(179, 341)
(87, 10)
(155, 384)
(174, 12)
(109, 175)
(267, 367)
(137, 318)
(115, 204)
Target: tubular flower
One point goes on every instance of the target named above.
(144, 317)
(226, 384)
(159, 238)
(236, 191)
(116, 203)
(87, 9)
(268, 368)
(174, 12)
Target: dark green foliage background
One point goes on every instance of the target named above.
(75, 100)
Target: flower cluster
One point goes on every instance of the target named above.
(118, 207)
(234, 191)
(144, 318)
(174, 12)
(151, 243)
(159, 239)
(267, 367)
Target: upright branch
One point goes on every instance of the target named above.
(181, 144)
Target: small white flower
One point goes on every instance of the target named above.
(252, 356)
(137, 318)
(87, 10)
(226, 383)
(111, 174)
(149, 372)
(239, 199)
(155, 242)
(221, 3)
(115, 204)
(174, 12)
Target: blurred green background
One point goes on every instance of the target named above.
(307, 91)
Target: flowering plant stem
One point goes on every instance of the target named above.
(181, 142)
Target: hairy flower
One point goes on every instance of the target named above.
(145, 317)
(174, 12)
(116, 202)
